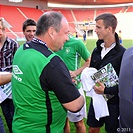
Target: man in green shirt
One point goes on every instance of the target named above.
(41, 79)
(73, 51)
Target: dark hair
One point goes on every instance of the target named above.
(108, 20)
(28, 22)
(49, 19)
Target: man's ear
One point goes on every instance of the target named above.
(51, 32)
(110, 29)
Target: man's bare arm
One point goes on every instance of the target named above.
(78, 71)
(5, 77)
(75, 105)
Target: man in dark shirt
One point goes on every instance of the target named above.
(108, 50)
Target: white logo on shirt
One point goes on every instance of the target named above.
(15, 73)
(16, 70)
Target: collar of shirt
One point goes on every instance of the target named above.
(39, 41)
(106, 50)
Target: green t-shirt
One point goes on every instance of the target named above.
(72, 52)
(34, 107)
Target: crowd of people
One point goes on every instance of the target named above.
(40, 85)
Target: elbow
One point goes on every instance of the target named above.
(76, 110)
(80, 104)
(75, 105)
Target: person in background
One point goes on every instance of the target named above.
(84, 36)
(40, 87)
(108, 50)
(8, 47)
(76, 35)
(126, 92)
(4, 78)
(73, 51)
(29, 29)
(120, 36)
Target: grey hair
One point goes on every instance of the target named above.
(49, 19)
(108, 20)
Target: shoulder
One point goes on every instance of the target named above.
(78, 42)
(119, 48)
(128, 54)
(12, 41)
(57, 64)
(130, 50)
(74, 42)
(56, 59)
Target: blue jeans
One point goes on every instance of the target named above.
(2, 130)
(8, 111)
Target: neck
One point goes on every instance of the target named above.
(47, 40)
(109, 41)
(107, 45)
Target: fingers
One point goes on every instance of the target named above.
(100, 84)
(99, 88)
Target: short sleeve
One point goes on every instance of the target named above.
(55, 77)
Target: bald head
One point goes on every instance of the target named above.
(53, 29)
(49, 19)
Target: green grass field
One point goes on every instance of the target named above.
(90, 44)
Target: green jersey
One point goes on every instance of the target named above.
(36, 110)
(73, 51)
